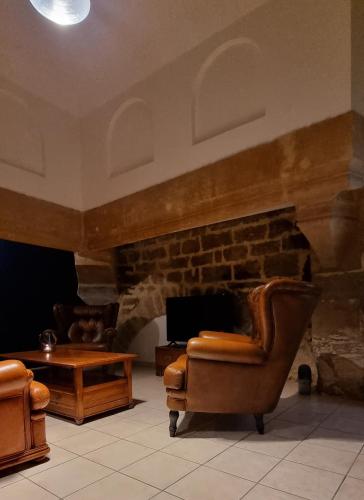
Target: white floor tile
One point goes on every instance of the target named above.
(62, 430)
(205, 483)
(191, 423)
(269, 444)
(159, 470)
(304, 481)
(243, 463)
(321, 457)
(55, 457)
(223, 436)
(164, 496)
(351, 489)
(115, 487)
(349, 425)
(303, 416)
(7, 478)
(108, 419)
(136, 443)
(125, 428)
(318, 403)
(351, 411)
(25, 490)
(71, 476)
(260, 492)
(335, 439)
(289, 430)
(154, 437)
(155, 403)
(196, 449)
(119, 454)
(50, 420)
(149, 416)
(357, 469)
(86, 442)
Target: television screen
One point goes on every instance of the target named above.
(187, 316)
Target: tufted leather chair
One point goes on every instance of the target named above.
(231, 373)
(22, 400)
(86, 327)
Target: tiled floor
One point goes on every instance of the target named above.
(312, 449)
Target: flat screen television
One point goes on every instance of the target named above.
(187, 316)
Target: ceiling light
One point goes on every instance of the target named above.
(63, 11)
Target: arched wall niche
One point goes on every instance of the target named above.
(21, 144)
(228, 90)
(129, 140)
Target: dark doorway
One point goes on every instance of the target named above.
(32, 279)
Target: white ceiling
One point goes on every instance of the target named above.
(80, 67)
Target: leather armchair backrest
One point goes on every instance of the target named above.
(281, 311)
(84, 323)
(285, 309)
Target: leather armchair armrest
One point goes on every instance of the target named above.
(225, 350)
(13, 377)
(175, 374)
(235, 337)
(39, 395)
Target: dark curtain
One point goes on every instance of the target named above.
(32, 279)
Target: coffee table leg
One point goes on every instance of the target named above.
(78, 384)
(127, 373)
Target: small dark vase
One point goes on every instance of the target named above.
(48, 341)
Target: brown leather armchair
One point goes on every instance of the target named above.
(22, 400)
(86, 327)
(231, 373)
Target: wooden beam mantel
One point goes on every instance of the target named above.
(310, 165)
(28, 220)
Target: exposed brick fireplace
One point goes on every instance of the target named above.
(228, 257)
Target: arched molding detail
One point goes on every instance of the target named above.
(228, 90)
(21, 144)
(129, 139)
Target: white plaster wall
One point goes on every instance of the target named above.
(40, 153)
(303, 75)
(153, 334)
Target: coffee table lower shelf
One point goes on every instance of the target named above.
(96, 399)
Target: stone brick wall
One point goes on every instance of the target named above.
(232, 256)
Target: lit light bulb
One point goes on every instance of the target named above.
(63, 12)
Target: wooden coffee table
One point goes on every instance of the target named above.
(81, 383)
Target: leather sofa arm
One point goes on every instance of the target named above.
(225, 350)
(235, 337)
(39, 395)
(175, 373)
(13, 377)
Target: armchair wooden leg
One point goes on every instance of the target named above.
(173, 417)
(259, 422)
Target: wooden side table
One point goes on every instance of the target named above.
(166, 354)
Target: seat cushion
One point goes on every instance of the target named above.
(175, 373)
